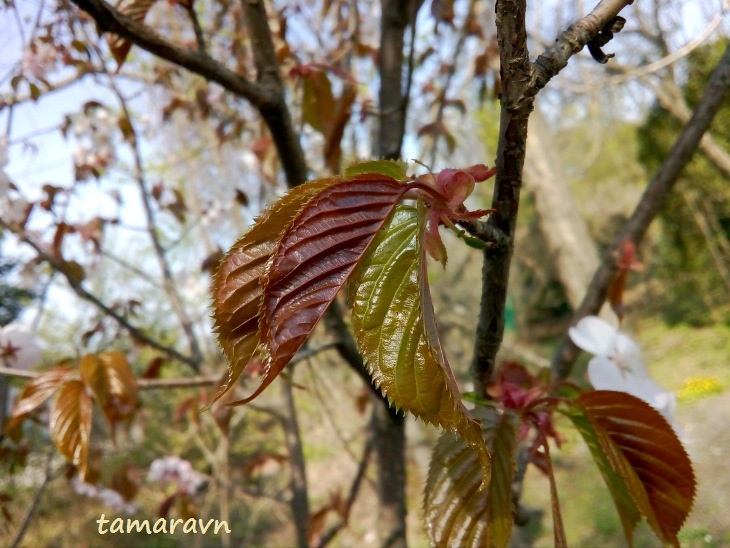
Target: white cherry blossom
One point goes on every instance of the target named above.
(178, 471)
(618, 364)
(19, 347)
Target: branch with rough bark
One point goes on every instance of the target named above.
(715, 95)
(521, 81)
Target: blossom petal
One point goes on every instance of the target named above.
(594, 335)
(604, 375)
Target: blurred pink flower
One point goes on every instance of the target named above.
(618, 365)
(19, 347)
(178, 471)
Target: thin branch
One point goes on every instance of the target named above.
(671, 99)
(656, 192)
(77, 288)
(298, 480)
(275, 111)
(330, 534)
(197, 29)
(108, 19)
(187, 382)
(397, 15)
(168, 281)
(23, 528)
(570, 42)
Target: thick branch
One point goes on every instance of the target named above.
(521, 83)
(397, 14)
(516, 73)
(656, 192)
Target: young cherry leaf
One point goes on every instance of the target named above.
(36, 392)
(456, 512)
(237, 290)
(640, 456)
(393, 321)
(113, 384)
(70, 423)
(453, 186)
(314, 258)
(395, 169)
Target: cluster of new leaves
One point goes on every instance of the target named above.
(106, 378)
(278, 280)
(644, 465)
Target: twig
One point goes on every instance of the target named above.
(354, 490)
(109, 19)
(188, 382)
(197, 29)
(47, 477)
(168, 281)
(656, 192)
(298, 480)
(77, 288)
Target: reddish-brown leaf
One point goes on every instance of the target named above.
(237, 290)
(36, 392)
(137, 10)
(71, 423)
(314, 258)
(113, 384)
(642, 447)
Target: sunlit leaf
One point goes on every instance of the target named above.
(395, 169)
(318, 103)
(644, 464)
(112, 383)
(237, 292)
(313, 260)
(36, 392)
(456, 511)
(71, 423)
(393, 321)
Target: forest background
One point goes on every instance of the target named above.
(140, 174)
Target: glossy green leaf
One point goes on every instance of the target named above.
(315, 257)
(71, 423)
(395, 169)
(394, 324)
(237, 290)
(640, 456)
(456, 511)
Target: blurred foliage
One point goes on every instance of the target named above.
(695, 223)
